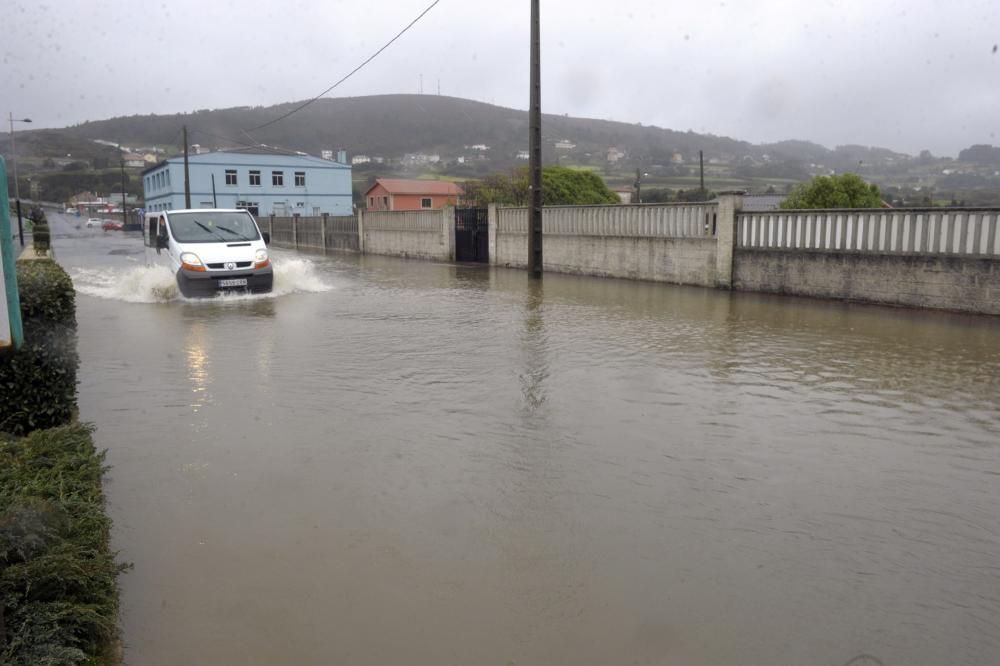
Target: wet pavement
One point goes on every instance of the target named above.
(403, 462)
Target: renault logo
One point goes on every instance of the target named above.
(230, 266)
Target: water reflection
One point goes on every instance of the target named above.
(533, 349)
(198, 365)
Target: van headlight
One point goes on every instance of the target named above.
(191, 262)
(260, 259)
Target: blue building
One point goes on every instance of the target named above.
(261, 181)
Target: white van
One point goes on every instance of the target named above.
(209, 250)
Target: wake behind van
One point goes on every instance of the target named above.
(209, 250)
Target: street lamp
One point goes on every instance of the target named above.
(13, 151)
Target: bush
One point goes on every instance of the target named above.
(847, 190)
(40, 237)
(58, 579)
(38, 381)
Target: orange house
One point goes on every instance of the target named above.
(395, 194)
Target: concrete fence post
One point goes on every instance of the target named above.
(448, 232)
(295, 232)
(270, 226)
(730, 203)
(322, 229)
(361, 230)
(491, 219)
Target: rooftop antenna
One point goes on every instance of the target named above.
(439, 87)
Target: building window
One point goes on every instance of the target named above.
(278, 178)
(385, 203)
(300, 204)
(371, 202)
(255, 178)
(300, 179)
(168, 178)
(230, 176)
(252, 207)
(426, 203)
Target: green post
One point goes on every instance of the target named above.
(9, 269)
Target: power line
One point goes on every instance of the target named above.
(350, 74)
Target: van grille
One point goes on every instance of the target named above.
(239, 264)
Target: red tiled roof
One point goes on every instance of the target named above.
(398, 186)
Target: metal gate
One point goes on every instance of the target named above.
(472, 235)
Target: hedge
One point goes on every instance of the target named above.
(40, 236)
(58, 578)
(38, 381)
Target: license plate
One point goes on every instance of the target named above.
(236, 282)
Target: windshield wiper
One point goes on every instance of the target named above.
(235, 233)
(209, 230)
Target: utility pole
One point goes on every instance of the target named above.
(187, 181)
(535, 148)
(701, 171)
(638, 186)
(124, 209)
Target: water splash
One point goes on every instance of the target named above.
(156, 284)
(142, 284)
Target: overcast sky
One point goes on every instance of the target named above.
(906, 75)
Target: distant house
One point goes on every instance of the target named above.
(411, 159)
(360, 159)
(396, 194)
(614, 155)
(625, 194)
(523, 155)
(565, 144)
(134, 161)
(82, 197)
(150, 158)
(760, 203)
(264, 182)
(479, 146)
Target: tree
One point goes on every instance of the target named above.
(561, 186)
(847, 190)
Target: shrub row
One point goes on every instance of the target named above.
(58, 579)
(38, 381)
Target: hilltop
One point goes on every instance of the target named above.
(447, 137)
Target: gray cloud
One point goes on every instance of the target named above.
(905, 75)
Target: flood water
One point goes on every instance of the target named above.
(402, 462)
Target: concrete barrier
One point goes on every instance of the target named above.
(932, 258)
(420, 234)
(674, 243)
(929, 258)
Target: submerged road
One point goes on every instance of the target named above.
(401, 462)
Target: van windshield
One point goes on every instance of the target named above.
(212, 227)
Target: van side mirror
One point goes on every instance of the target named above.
(162, 243)
(266, 236)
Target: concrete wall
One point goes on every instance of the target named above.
(423, 234)
(968, 284)
(930, 258)
(662, 243)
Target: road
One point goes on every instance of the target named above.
(397, 461)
